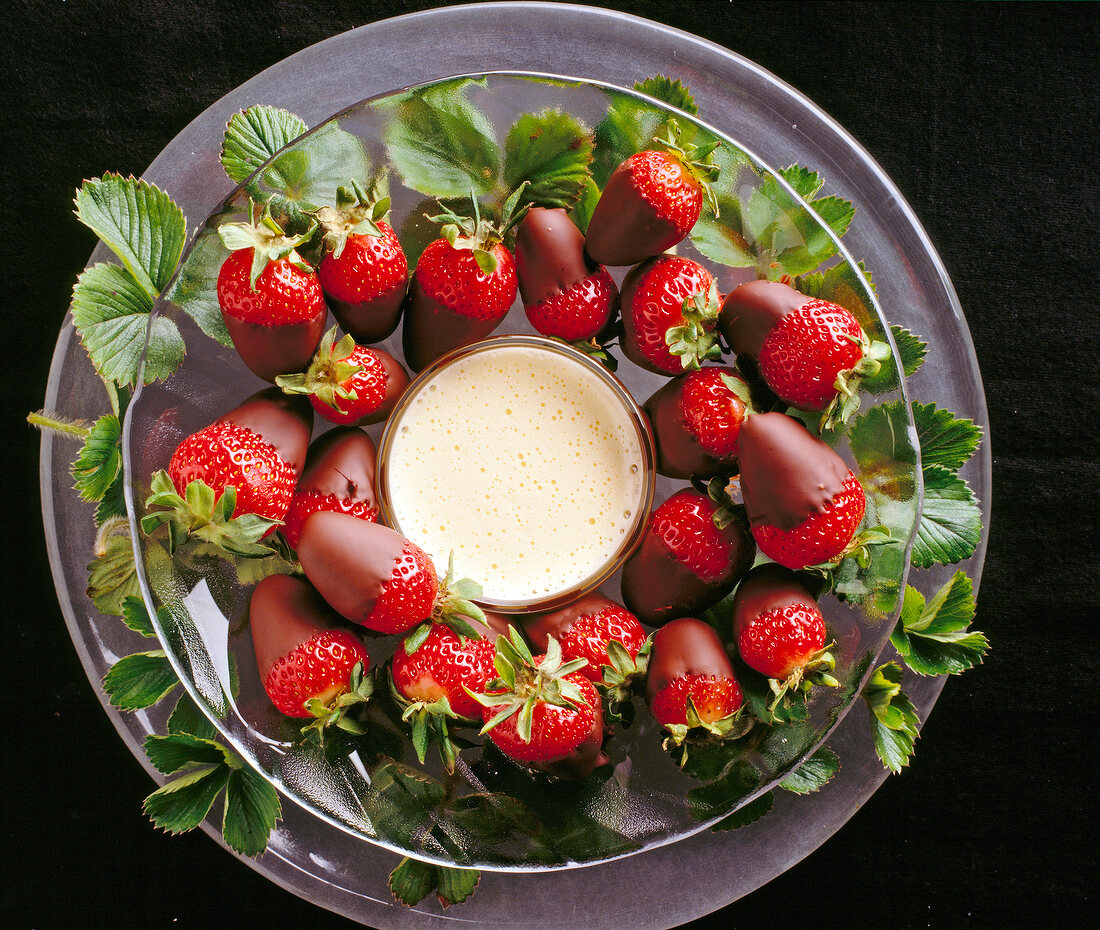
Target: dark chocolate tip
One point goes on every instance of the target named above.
(284, 612)
(270, 351)
(281, 420)
(787, 473)
(550, 255)
(430, 330)
(538, 627)
(625, 228)
(373, 320)
(341, 462)
(680, 454)
(751, 310)
(348, 560)
(685, 646)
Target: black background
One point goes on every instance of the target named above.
(985, 118)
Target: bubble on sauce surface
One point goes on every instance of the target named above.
(524, 477)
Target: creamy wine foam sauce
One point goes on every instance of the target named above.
(522, 462)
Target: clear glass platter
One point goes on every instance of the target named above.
(314, 858)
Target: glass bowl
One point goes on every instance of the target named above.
(490, 814)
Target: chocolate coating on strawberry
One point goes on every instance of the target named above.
(787, 474)
(338, 475)
(285, 611)
(550, 255)
(767, 588)
(351, 562)
(751, 310)
(685, 646)
(431, 329)
(365, 286)
(285, 423)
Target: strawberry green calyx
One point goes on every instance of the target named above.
(204, 514)
(429, 722)
(858, 548)
(454, 605)
(334, 713)
(623, 678)
(479, 234)
(797, 686)
(327, 374)
(697, 159)
(356, 213)
(267, 240)
(728, 510)
(696, 730)
(696, 340)
(522, 684)
(846, 403)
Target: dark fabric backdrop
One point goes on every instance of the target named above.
(983, 115)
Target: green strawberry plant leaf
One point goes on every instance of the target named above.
(934, 637)
(720, 796)
(813, 774)
(195, 288)
(894, 721)
(628, 126)
(140, 680)
(668, 90)
(136, 616)
(138, 222)
(945, 439)
(441, 144)
(911, 351)
(111, 311)
(188, 719)
(412, 881)
(112, 576)
(254, 135)
(251, 805)
(552, 151)
(746, 814)
(100, 459)
(951, 520)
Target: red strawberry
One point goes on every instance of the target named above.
(543, 715)
(696, 547)
(463, 286)
(812, 353)
(780, 631)
(670, 315)
(249, 461)
(338, 476)
(364, 272)
(442, 666)
(564, 293)
(651, 201)
(696, 419)
(376, 577)
(270, 298)
(803, 502)
(691, 682)
(309, 664)
(599, 631)
(349, 384)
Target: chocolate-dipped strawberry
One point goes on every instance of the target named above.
(310, 664)
(564, 293)
(696, 419)
(812, 353)
(780, 632)
(364, 272)
(605, 634)
(542, 713)
(376, 577)
(338, 476)
(462, 288)
(695, 549)
(241, 472)
(690, 682)
(349, 384)
(803, 503)
(651, 201)
(270, 297)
